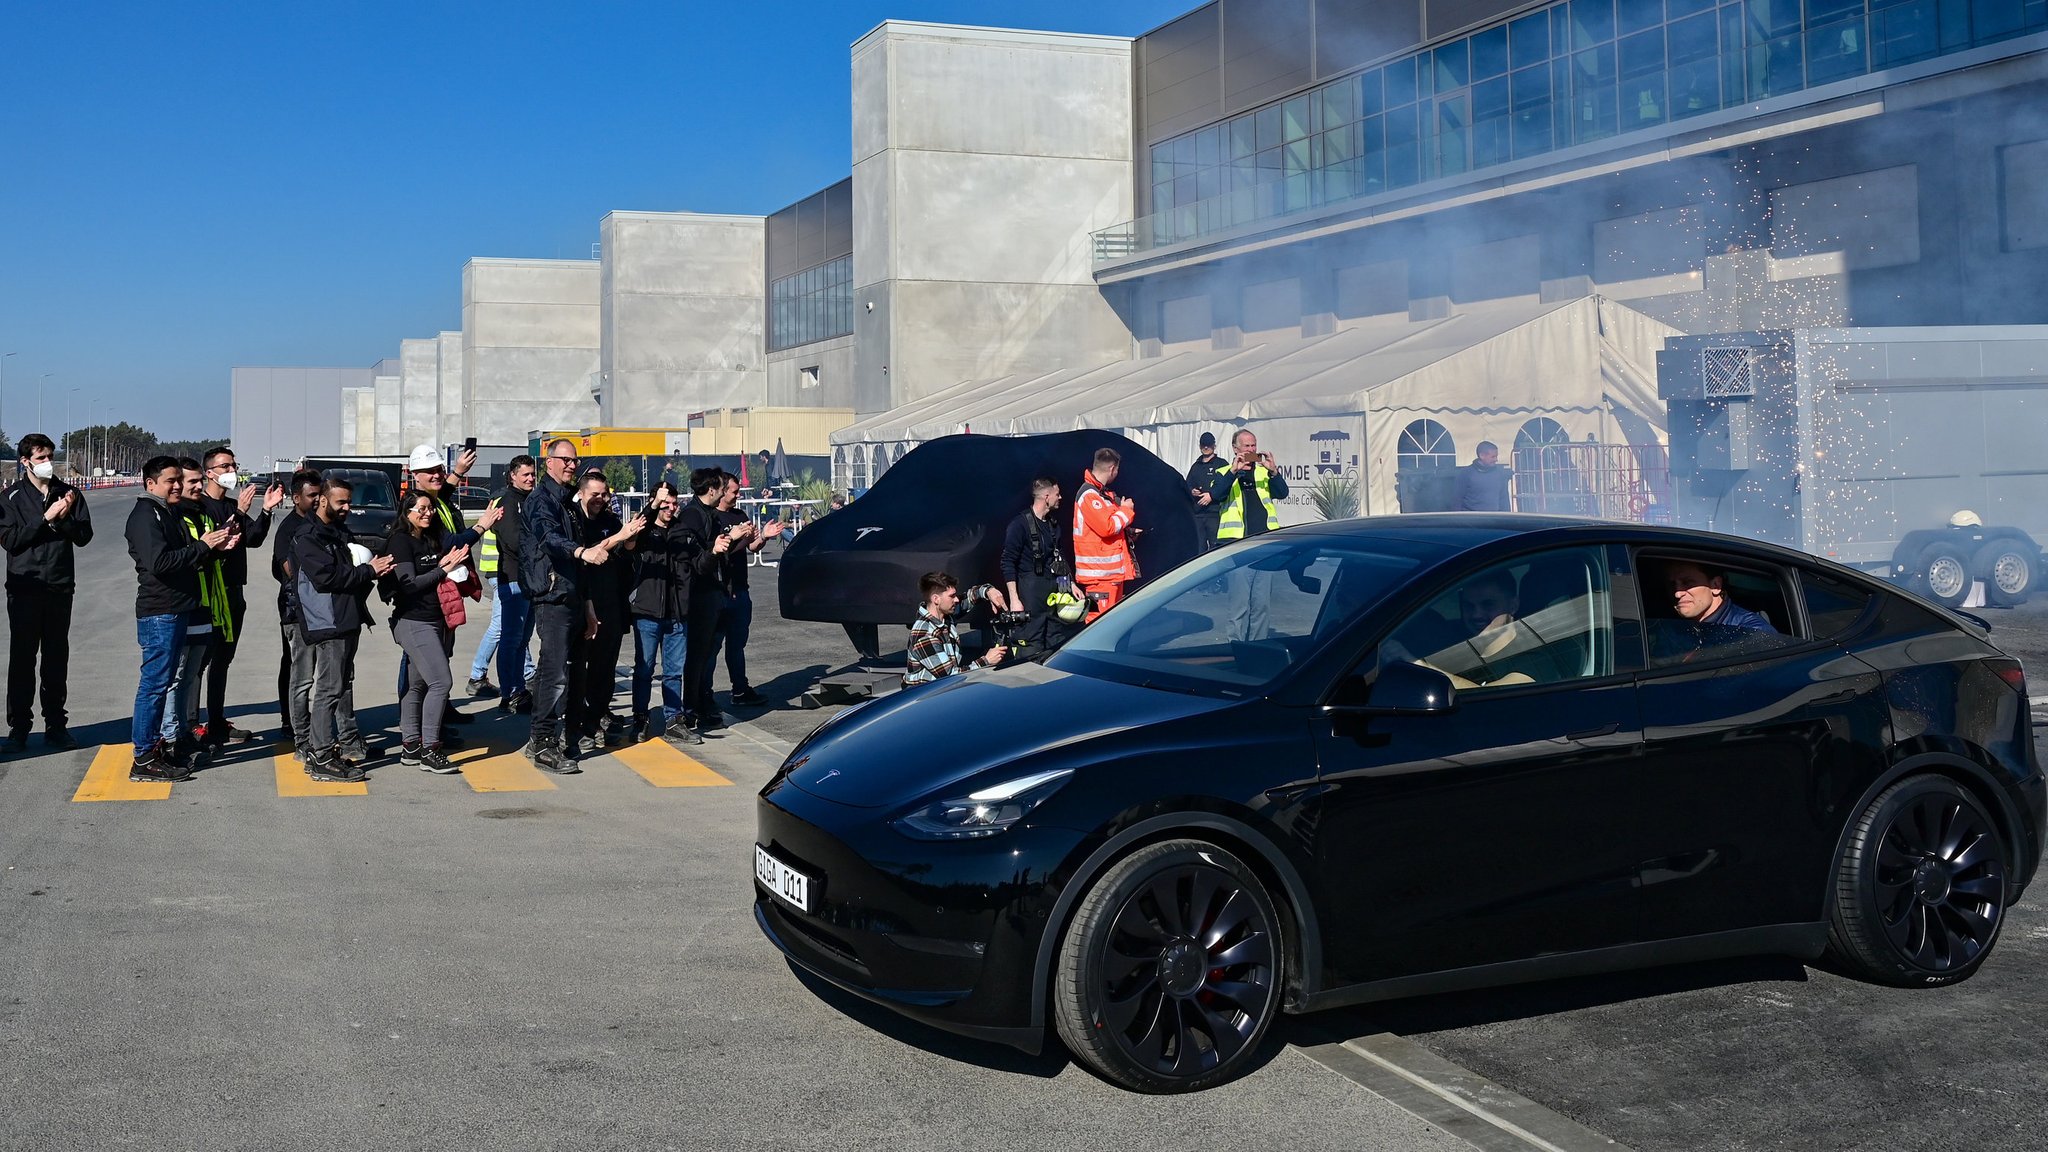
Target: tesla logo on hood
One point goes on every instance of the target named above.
(860, 534)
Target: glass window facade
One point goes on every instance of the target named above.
(1566, 75)
(811, 305)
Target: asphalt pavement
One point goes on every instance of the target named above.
(565, 963)
(573, 962)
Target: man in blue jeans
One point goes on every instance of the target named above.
(510, 636)
(667, 559)
(168, 561)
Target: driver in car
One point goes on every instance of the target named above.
(1493, 646)
(934, 643)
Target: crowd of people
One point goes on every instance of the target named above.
(564, 569)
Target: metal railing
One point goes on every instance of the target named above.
(1605, 481)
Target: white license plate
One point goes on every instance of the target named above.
(791, 885)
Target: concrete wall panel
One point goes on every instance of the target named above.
(874, 251)
(448, 385)
(960, 93)
(833, 361)
(522, 389)
(366, 421)
(1018, 327)
(534, 325)
(1021, 219)
(388, 430)
(682, 314)
(530, 346)
(419, 415)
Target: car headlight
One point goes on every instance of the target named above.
(984, 812)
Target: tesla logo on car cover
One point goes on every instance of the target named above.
(860, 534)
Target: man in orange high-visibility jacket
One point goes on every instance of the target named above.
(1102, 555)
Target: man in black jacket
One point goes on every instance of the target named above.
(700, 521)
(550, 559)
(295, 657)
(41, 520)
(331, 589)
(223, 507)
(1033, 568)
(1201, 484)
(168, 561)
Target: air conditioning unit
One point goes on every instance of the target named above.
(1727, 373)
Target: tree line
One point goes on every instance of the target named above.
(119, 447)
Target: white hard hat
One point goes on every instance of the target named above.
(1965, 519)
(425, 458)
(357, 554)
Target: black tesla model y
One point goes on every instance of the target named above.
(1377, 758)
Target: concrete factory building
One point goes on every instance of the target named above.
(1299, 211)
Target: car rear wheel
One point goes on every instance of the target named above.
(2007, 569)
(1170, 973)
(1920, 890)
(1943, 575)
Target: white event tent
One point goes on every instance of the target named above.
(1360, 402)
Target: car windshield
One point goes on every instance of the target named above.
(372, 494)
(1232, 621)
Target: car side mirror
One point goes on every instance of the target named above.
(1400, 689)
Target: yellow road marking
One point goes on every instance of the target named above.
(507, 772)
(107, 779)
(663, 766)
(293, 781)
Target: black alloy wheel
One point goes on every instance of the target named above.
(1170, 973)
(1920, 891)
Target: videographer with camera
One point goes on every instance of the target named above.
(1035, 570)
(934, 644)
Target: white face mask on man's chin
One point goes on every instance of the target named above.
(43, 469)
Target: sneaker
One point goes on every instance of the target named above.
(17, 741)
(710, 721)
(327, 765)
(547, 757)
(482, 688)
(355, 751)
(220, 735)
(59, 738)
(431, 760)
(590, 744)
(748, 697)
(680, 733)
(409, 754)
(617, 730)
(152, 765)
(522, 702)
(637, 730)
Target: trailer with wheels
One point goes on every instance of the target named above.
(1920, 454)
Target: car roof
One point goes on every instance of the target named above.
(1463, 531)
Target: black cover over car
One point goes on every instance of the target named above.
(943, 508)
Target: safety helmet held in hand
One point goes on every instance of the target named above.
(1067, 606)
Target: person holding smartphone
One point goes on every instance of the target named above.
(699, 519)
(1202, 476)
(736, 619)
(1248, 491)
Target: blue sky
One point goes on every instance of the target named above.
(189, 186)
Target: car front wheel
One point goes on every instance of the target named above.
(1920, 890)
(1170, 973)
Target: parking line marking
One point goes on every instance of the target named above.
(293, 781)
(107, 779)
(666, 767)
(510, 772)
(1453, 1098)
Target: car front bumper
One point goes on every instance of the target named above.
(945, 933)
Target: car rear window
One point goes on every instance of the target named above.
(1832, 605)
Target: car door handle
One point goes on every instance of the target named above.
(1842, 697)
(1592, 733)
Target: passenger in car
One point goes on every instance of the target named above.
(1707, 622)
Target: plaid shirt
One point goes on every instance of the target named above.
(935, 646)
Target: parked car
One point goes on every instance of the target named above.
(1457, 751)
(373, 505)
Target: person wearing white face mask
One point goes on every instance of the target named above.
(41, 520)
(226, 506)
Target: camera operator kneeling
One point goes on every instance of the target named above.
(934, 644)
